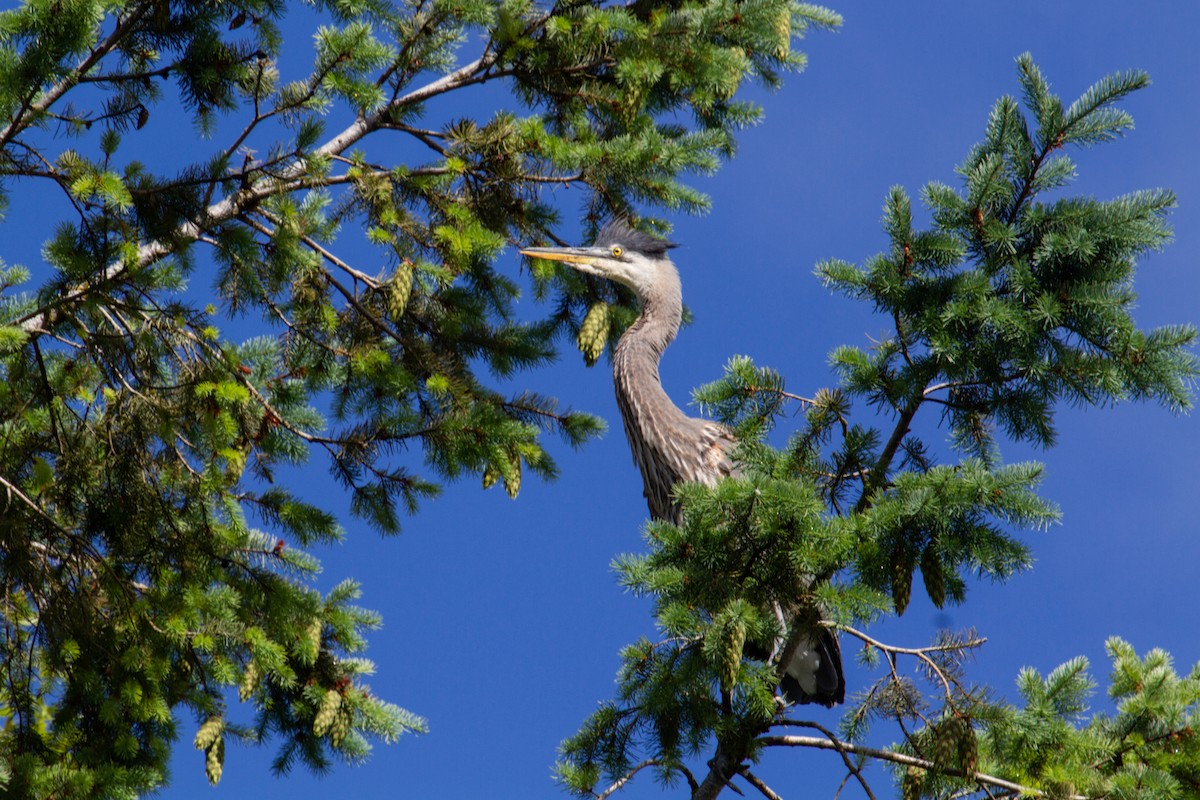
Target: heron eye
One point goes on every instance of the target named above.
(617, 251)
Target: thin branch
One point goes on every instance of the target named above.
(122, 77)
(912, 651)
(12, 489)
(423, 137)
(471, 73)
(757, 783)
(56, 91)
(920, 652)
(845, 779)
(317, 248)
(981, 778)
(1027, 183)
(851, 768)
(691, 779)
(627, 777)
(371, 319)
(289, 179)
(804, 401)
(879, 472)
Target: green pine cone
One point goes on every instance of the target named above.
(902, 571)
(250, 681)
(910, 786)
(968, 748)
(935, 578)
(340, 726)
(327, 713)
(312, 640)
(214, 761)
(945, 744)
(733, 639)
(399, 289)
(209, 732)
(512, 480)
(490, 476)
(955, 746)
(593, 332)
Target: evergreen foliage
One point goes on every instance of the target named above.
(153, 566)
(1015, 300)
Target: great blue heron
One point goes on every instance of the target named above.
(670, 447)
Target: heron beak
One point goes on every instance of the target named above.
(581, 258)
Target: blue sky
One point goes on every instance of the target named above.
(503, 619)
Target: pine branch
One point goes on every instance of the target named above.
(893, 757)
(51, 95)
(626, 778)
(762, 787)
(852, 769)
(722, 768)
(877, 476)
(289, 179)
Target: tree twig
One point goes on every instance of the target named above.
(851, 767)
(900, 758)
(920, 652)
(758, 783)
(627, 777)
(48, 98)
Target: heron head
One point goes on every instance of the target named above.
(620, 253)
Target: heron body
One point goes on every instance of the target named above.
(670, 447)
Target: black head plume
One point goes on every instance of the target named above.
(617, 231)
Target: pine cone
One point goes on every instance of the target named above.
(935, 578)
(968, 748)
(593, 332)
(490, 476)
(733, 639)
(512, 480)
(214, 761)
(340, 727)
(399, 289)
(945, 744)
(331, 703)
(209, 732)
(902, 570)
(312, 640)
(955, 746)
(250, 681)
(910, 786)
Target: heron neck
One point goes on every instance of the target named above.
(654, 328)
(647, 411)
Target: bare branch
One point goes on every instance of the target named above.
(851, 767)
(981, 778)
(920, 652)
(627, 777)
(912, 651)
(757, 783)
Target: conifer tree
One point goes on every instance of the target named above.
(153, 566)
(1015, 300)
